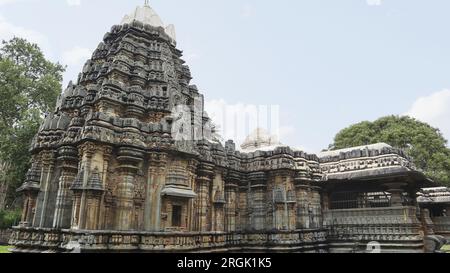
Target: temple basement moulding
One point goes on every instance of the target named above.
(108, 174)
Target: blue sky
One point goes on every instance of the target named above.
(327, 64)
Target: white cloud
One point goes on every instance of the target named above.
(72, 2)
(374, 2)
(9, 30)
(433, 109)
(75, 55)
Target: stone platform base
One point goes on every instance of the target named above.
(70, 241)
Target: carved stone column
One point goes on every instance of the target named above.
(316, 208)
(43, 209)
(302, 189)
(258, 198)
(107, 153)
(396, 190)
(244, 205)
(77, 191)
(204, 178)
(68, 158)
(231, 198)
(155, 184)
(130, 160)
(192, 168)
(86, 151)
(218, 199)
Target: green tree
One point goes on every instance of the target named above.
(29, 87)
(423, 143)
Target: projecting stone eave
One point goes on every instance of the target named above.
(29, 187)
(380, 176)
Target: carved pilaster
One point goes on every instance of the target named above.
(191, 169)
(155, 184)
(107, 153)
(130, 160)
(205, 172)
(231, 198)
(87, 151)
(43, 211)
(218, 200)
(396, 190)
(68, 158)
(258, 186)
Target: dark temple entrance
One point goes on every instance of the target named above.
(176, 216)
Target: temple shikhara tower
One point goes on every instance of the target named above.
(128, 161)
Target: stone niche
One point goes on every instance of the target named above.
(175, 213)
(177, 198)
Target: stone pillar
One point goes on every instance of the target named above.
(316, 208)
(204, 179)
(192, 176)
(25, 210)
(231, 198)
(396, 190)
(302, 189)
(77, 190)
(42, 208)
(259, 205)
(149, 211)
(86, 151)
(244, 205)
(130, 161)
(68, 158)
(107, 153)
(218, 200)
(155, 184)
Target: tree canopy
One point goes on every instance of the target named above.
(29, 87)
(425, 144)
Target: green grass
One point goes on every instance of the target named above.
(4, 249)
(446, 248)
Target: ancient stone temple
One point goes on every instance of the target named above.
(128, 162)
(435, 203)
